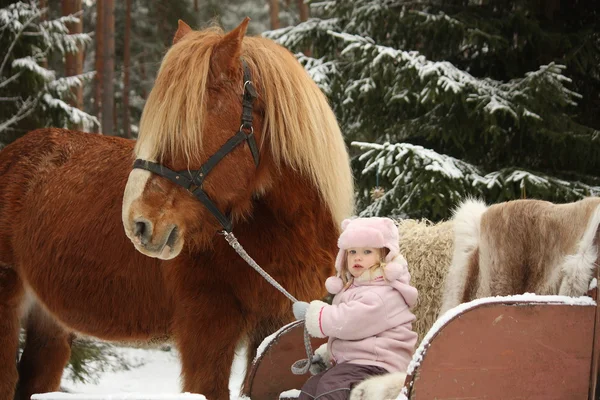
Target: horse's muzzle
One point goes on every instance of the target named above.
(152, 243)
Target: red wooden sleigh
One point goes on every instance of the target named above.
(516, 347)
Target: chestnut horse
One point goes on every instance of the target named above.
(70, 200)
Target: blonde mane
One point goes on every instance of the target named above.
(299, 124)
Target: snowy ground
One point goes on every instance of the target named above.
(154, 373)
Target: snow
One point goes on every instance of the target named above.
(496, 104)
(75, 114)
(68, 82)
(489, 95)
(153, 371)
(461, 308)
(402, 395)
(291, 36)
(430, 160)
(319, 70)
(266, 341)
(117, 396)
(154, 375)
(31, 64)
(405, 165)
(288, 394)
(21, 19)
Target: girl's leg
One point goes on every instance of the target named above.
(309, 389)
(338, 381)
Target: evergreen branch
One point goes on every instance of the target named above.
(9, 80)
(14, 42)
(26, 108)
(30, 64)
(76, 115)
(419, 181)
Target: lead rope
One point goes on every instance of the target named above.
(300, 367)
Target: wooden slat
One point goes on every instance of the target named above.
(510, 351)
(596, 347)
(271, 373)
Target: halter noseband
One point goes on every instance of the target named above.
(193, 180)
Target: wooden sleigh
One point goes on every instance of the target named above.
(516, 347)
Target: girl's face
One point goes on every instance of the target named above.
(360, 259)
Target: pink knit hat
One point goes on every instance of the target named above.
(365, 232)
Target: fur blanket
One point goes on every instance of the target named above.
(522, 246)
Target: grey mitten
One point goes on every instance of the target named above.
(317, 365)
(299, 309)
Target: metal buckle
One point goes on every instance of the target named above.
(245, 128)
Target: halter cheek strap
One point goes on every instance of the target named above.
(194, 179)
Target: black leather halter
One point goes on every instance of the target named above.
(193, 180)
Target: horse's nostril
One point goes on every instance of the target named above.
(172, 236)
(142, 230)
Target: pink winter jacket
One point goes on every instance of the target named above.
(370, 322)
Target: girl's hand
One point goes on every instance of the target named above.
(299, 309)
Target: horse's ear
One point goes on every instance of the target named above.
(226, 54)
(182, 30)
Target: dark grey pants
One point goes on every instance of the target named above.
(337, 382)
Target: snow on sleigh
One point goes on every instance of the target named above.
(513, 347)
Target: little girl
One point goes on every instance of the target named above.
(369, 322)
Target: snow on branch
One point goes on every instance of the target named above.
(68, 82)
(319, 70)
(23, 18)
(512, 98)
(19, 31)
(10, 17)
(293, 36)
(75, 115)
(31, 64)
(414, 177)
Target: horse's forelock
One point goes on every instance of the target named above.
(173, 118)
(300, 126)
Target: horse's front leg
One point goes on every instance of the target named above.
(47, 351)
(11, 295)
(207, 327)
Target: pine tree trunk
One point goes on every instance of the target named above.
(126, 67)
(115, 114)
(108, 67)
(304, 13)
(74, 61)
(303, 9)
(196, 8)
(274, 13)
(44, 17)
(99, 62)
(143, 75)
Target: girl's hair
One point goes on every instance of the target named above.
(347, 277)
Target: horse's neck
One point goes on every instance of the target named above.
(296, 203)
(290, 217)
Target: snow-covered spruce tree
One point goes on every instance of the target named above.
(31, 95)
(443, 99)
